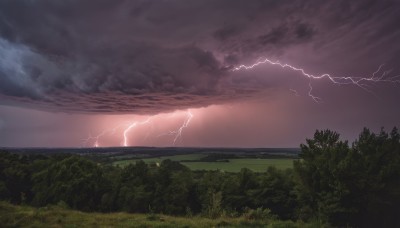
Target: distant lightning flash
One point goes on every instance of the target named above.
(378, 76)
(185, 125)
(358, 81)
(178, 132)
(127, 128)
(102, 134)
(133, 125)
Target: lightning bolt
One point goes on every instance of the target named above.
(185, 125)
(358, 81)
(178, 132)
(132, 125)
(378, 76)
(102, 134)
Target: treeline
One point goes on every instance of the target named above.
(344, 185)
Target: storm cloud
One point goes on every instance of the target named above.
(115, 56)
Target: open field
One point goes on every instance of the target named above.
(54, 216)
(256, 159)
(234, 165)
(159, 159)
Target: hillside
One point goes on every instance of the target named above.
(57, 216)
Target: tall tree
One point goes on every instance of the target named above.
(75, 180)
(356, 186)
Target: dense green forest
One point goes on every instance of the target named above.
(334, 183)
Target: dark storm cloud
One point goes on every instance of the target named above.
(226, 32)
(113, 56)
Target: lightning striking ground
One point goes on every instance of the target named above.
(358, 81)
(128, 127)
(185, 125)
(96, 138)
(378, 76)
(178, 132)
(133, 125)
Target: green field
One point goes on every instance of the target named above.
(159, 159)
(234, 165)
(54, 216)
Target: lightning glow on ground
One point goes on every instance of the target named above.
(378, 76)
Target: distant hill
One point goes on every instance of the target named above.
(153, 151)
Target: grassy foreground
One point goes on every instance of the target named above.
(54, 216)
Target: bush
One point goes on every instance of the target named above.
(259, 214)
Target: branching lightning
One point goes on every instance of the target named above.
(96, 138)
(129, 127)
(133, 125)
(376, 77)
(363, 82)
(178, 133)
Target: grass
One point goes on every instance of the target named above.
(159, 159)
(234, 165)
(53, 216)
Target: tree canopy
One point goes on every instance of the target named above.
(334, 182)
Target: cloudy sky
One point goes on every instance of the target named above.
(162, 72)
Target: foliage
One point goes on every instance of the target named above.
(54, 216)
(76, 181)
(357, 186)
(226, 163)
(259, 214)
(333, 182)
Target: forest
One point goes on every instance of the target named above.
(334, 182)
